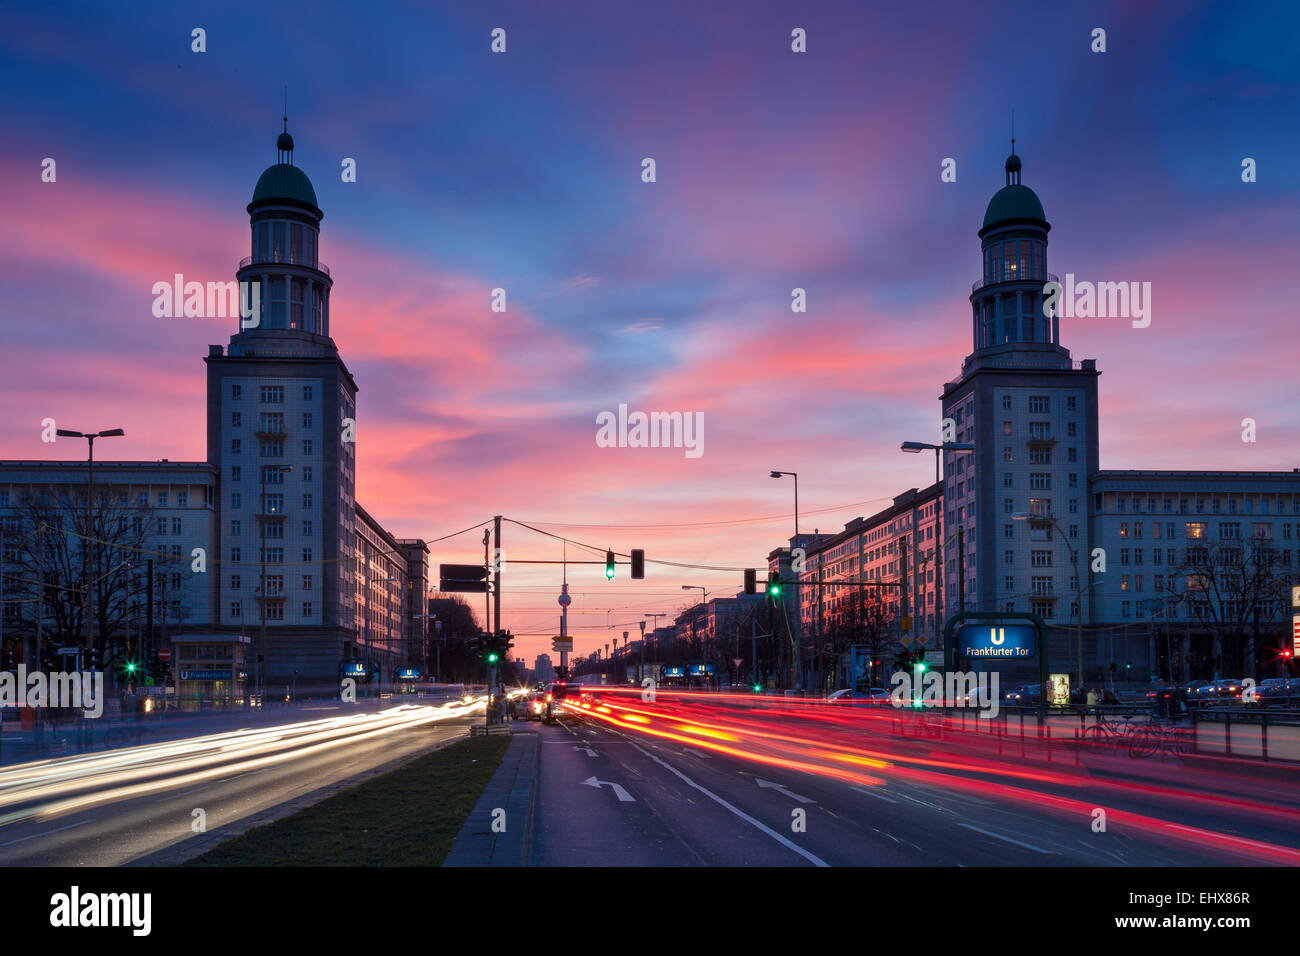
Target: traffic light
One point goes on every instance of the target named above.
(751, 581)
(638, 563)
(609, 565)
(774, 584)
(95, 659)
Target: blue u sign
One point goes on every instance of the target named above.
(1010, 641)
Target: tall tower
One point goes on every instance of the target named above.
(279, 397)
(1032, 413)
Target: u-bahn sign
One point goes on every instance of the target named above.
(997, 641)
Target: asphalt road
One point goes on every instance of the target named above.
(687, 806)
(117, 822)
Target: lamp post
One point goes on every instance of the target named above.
(90, 490)
(1078, 582)
(263, 514)
(941, 597)
(704, 601)
(798, 662)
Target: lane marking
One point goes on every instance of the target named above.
(812, 858)
(769, 785)
(623, 795)
(999, 836)
(873, 793)
(48, 832)
(590, 752)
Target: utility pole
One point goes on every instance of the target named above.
(496, 590)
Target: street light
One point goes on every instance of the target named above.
(1078, 580)
(915, 448)
(90, 490)
(798, 663)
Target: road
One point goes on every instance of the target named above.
(119, 806)
(704, 785)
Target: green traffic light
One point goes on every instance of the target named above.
(758, 688)
(492, 658)
(130, 667)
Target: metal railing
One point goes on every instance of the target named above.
(283, 258)
(1014, 275)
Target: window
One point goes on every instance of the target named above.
(1155, 555)
(1008, 480)
(271, 423)
(162, 525)
(1229, 529)
(1008, 531)
(1040, 559)
(306, 473)
(1006, 455)
(1074, 531)
(1009, 583)
(1123, 555)
(234, 555)
(306, 554)
(1070, 403)
(1009, 557)
(272, 394)
(234, 582)
(271, 449)
(1169, 530)
(306, 446)
(1261, 530)
(1006, 508)
(1043, 609)
(1123, 582)
(176, 526)
(306, 529)
(306, 393)
(306, 419)
(1137, 529)
(1123, 529)
(1040, 456)
(1074, 506)
(235, 473)
(306, 582)
(1006, 402)
(1039, 404)
(306, 608)
(1137, 555)
(1196, 529)
(1006, 428)
(236, 392)
(1072, 455)
(235, 419)
(1073, 480)
(275, 612)
(1040, 431)
(1124, 609)
(182, 499)
(234, 446)
(306, 502)
(273, 555)
(235, 499)
(1040, 506)
(236, 609)
(1040, 481)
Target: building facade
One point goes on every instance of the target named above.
(292, 560)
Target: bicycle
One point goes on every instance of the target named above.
(1108, 735)
(1159, 736)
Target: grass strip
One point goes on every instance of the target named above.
(407, 817)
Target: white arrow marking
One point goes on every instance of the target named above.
(590, 752)
(619, 792)
(777, 786)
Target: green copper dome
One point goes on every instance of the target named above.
(284, 183)
(1014, 202)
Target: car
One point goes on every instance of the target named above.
(858, 698)
(1278, 692)
(557, 693)
(533, 706)
(1024, 695)
(1201, 693)
(1228, 687)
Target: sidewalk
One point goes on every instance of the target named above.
(511, 789)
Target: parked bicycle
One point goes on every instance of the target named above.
(1160, 736)
(1108, 734)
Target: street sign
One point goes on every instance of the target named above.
(559, 644)
(462, 577)
(1295, 596)
(906, 640)
(923, 640)
(737, 661)
(354, 668)
(408, 673)
(998, 642)
(164, 654)
(905, 623)
(1295, 635)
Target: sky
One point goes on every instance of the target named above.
(775, 170)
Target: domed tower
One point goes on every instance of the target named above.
(1007, 302)
(285, 223)
(1016, 500)
(281, 435)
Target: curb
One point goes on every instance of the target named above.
(510, 789)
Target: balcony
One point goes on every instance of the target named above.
(1014, 275)
(283, 258)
